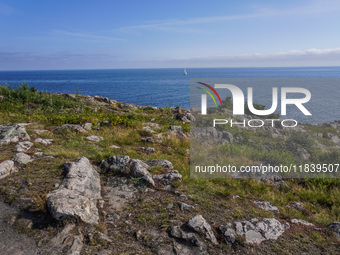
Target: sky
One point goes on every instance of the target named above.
(51, 35)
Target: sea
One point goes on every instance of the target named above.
(170, 87)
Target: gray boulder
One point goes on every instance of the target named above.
(94, 138)
(12, 134)
(148, 129)
(302, 222)
(160, 162)
(199, 224)
(22, 158)
(255, 231)
(87, 126)
(268, 206)
(120, 164)
(148, 140)
(78, 194)
(228, 232)
(44, 141)
(7, 168)
(24, 146)
(152, 125)
(185, 207)
(297, 205)
(139, 168)
(188, 237)
(149, 150)
(168, 178)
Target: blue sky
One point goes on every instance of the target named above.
(40, 34)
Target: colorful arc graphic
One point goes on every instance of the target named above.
(208, 94)
(213, 90)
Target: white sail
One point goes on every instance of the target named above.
(185, 72)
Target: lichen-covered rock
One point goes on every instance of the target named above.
(255, 231)
(12, 134)
(22, 158)
(120, 164)
(169, 177)
(160, 162)
(268, 206)
(78, 194)
(23, 146)
(139, 169)
(6, 168)
(199, 224)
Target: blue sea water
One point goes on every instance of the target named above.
(167, 87)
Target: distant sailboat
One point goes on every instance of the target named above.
(185, 72)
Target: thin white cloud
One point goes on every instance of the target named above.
(180, 25)
(86, 36)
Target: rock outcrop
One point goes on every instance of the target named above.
(254, 231)
(22, 158)
(199, 224)
(44, 141)
(12, 134)
(78, 194)
(139, 169)
(268, 206)
(24, 146)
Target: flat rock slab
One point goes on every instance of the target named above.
(12, 134)
(77, 196)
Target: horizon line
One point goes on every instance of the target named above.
(150, 68)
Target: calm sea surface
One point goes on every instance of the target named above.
(169, 87)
